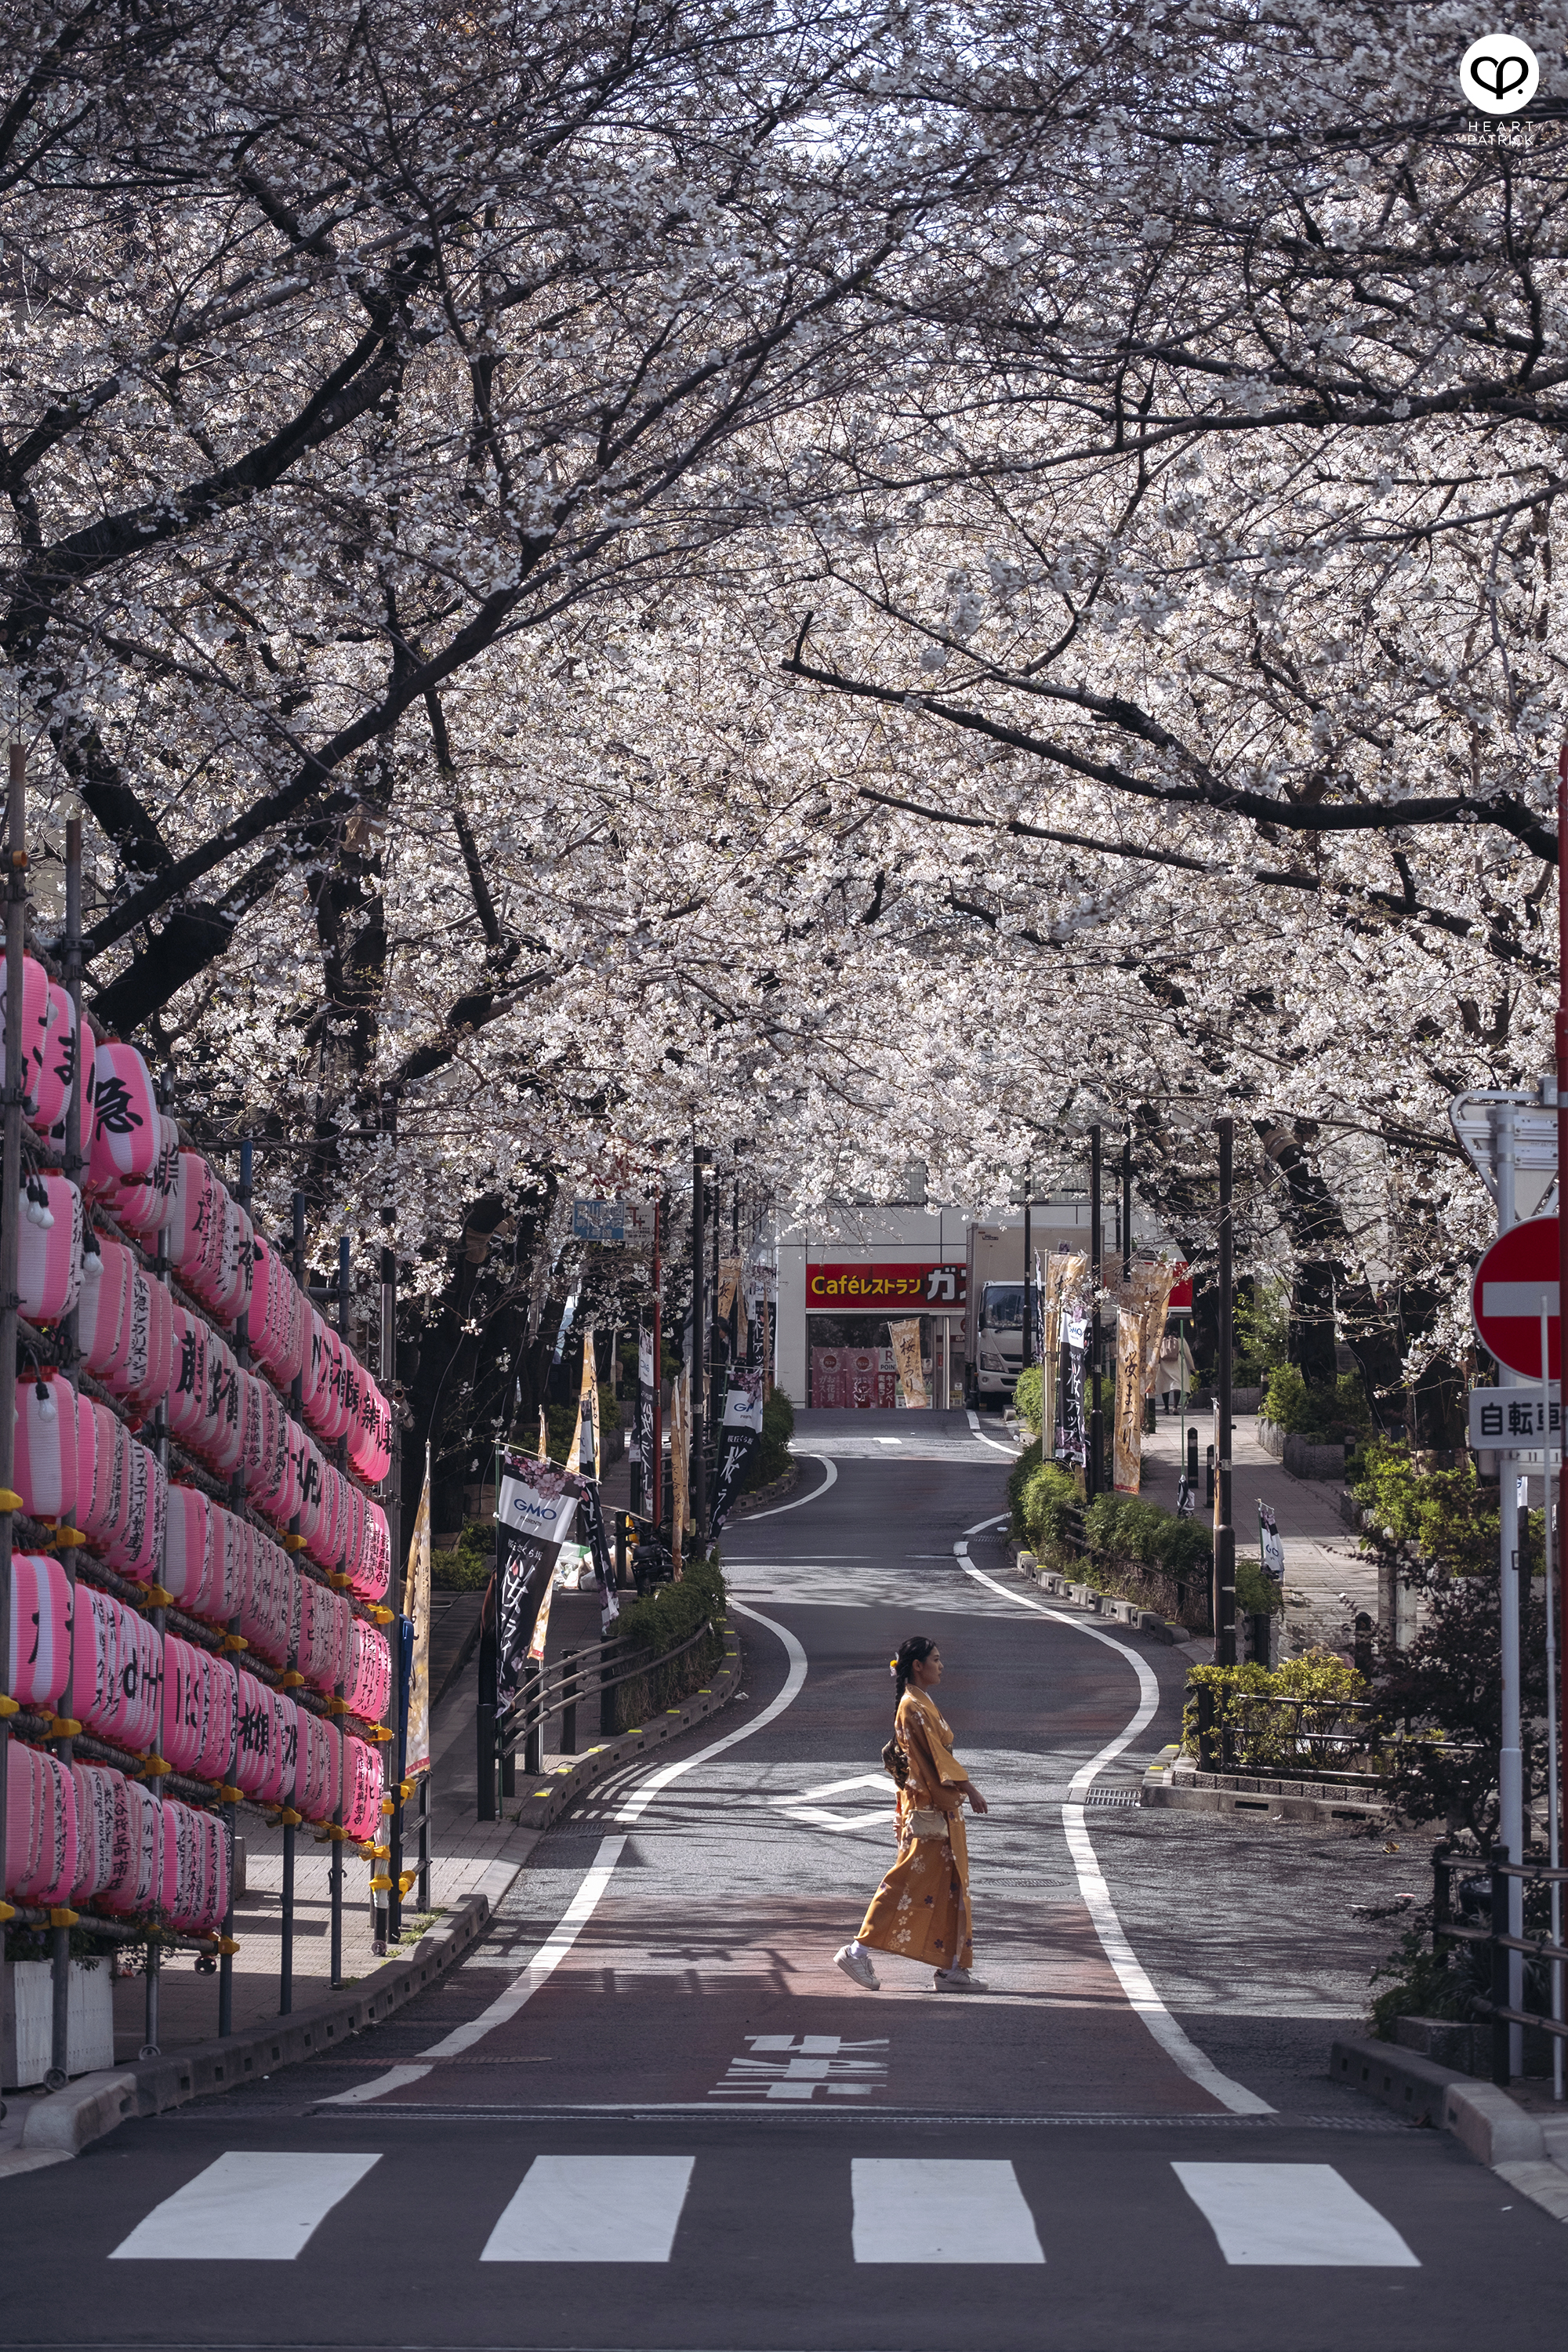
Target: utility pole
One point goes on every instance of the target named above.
(1027, 1356)
(1096, 1425)
(702, 1160)
(1224, 1530)
(1127, 1206)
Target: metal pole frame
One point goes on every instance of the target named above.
(1026, 1353)
(396, 1754)
(698, 1433)
(335, 1871)
(60, 2037)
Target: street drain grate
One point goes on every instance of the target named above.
(1112, 1797)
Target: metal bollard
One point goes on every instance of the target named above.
(533, 1744)
(1209, 1496)
(1500, 1968)
(1206, 1759)
(569, 1710)
(1192, 1460)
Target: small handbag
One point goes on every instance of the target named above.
(924, 1823)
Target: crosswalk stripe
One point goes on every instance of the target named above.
(593, 2209)
(245, 2207)
(937, 2209)
(1301, 2215)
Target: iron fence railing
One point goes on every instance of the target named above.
(1496, 1871)
(577, 1678)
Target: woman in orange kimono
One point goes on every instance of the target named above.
(920, 1911)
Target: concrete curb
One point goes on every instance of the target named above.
(1485, 2122)
(59, 2126)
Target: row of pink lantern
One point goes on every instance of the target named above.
(49, 1058)
(203, 1715)
(84, 1833)
(77, 1462)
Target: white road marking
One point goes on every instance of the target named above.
(1130, 1973)
(914, 2209)
(888, 1441)
(593, 2209)
(833, 1789)
(559, 1942)
(1301, 2215)
(546, 1961)
(793, 1680)
(245, 2207)
(786, 2072)
(819, 1818)
(814, 1496)
(396, 2078)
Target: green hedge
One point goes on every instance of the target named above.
(670, 1615)
(772, 1458)
(1333, 1413)
(1029, 1398)
(1320, 1675)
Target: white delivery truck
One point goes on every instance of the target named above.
(993, 1308)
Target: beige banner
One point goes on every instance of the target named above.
(905, 1339)
(587, 1388)
(1140, 1327)
(416, 1609)
(732, 1294)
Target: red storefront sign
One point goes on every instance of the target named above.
(881, 1289)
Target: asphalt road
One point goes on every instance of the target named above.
(648, 2112)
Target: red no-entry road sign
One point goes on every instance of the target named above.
(1506, 1299)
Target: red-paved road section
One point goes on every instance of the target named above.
(695, 2131)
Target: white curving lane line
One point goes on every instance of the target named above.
(1130, 1973)
(995, 1443)
(585, 1901)
(816, 1493)
(793, 1683)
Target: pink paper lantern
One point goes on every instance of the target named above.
(36, 1015)
(132, 1884)
(100, 1810)
(323, 1646)
(154, 1384)
(196, 1221)
(103, 1312)
(368, 1683)
(187, 1393)
(138, 1550)
(371, 1573)
(121, 1697)
(319, 1773)
(127, 1135)
(61, 1070)
(40, 1827)
(39, 1658)
(189, 1551)
(230, 1294)
(223, 1431)
(362, 1788)
(48, 1256)
(231, 1565)
(279, 1331)
(46, 1461)
(184, 1703)
(102, 1510)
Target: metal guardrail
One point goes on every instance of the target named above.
(578, 1676)
(1222, 1739)
(1498, 1870)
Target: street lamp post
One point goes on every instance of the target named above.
(1224, 1530)
(1096, 1432)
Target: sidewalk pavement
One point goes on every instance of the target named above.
(1327, 1583)
(464, 1849)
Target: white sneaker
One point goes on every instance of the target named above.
(855, 1963)
(958, 1980)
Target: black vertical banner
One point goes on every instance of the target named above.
(535, 1509)
(740, 1434)
(599, 1545)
